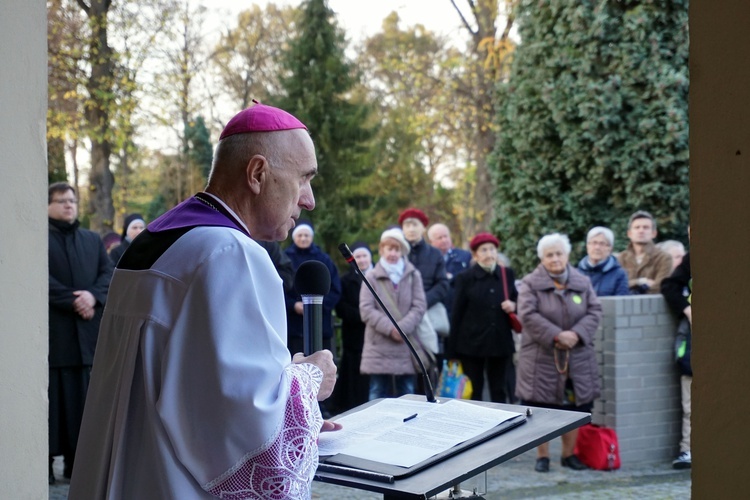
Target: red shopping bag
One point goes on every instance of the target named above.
(597, 447)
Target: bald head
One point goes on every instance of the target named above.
(265, 178)
(440, 237)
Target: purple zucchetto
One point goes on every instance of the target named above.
(260, 118)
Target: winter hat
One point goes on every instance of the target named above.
(413, 213)
(481, 239)
(398, 235)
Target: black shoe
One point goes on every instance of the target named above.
(542, 464)
(573, 462)
(68, 467)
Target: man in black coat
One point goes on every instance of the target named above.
(677, 291)
(429, 262)
(79, 276)
(426, 258)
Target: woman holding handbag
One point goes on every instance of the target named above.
(481, 336)
(557, 365)
(386, 357)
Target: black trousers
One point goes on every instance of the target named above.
(67, 395)
(498, 370)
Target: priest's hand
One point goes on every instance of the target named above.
(329, 426)
(323, 360)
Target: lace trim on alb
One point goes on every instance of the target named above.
(285, 466)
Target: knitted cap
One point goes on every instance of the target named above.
(398, 235)
(481, 239)
(413, 213)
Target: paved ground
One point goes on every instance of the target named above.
(516, 479)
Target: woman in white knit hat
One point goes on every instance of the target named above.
(385, 356)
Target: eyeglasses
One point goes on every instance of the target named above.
(595, 243)
(72, 201)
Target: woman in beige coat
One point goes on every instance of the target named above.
(557, 365)
(385, 356)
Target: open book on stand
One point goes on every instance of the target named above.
(402, 436)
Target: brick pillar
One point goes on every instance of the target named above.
(640, 382)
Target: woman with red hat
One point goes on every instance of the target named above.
(481, 336)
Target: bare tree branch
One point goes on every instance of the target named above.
(463, 19)
(86, 8)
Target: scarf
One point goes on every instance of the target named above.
(560, 280)
(395, 271)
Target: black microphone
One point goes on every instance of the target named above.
(312, 280)
(429, 392)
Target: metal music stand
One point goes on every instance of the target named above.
(541, 426)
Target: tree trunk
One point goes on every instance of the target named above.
(56, 160)
(97, 112)
(74, 157)
(481, 83)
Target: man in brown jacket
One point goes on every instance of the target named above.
(645, 264)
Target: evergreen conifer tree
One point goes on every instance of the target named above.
(593, 122)
(319, 91)
(200, 150)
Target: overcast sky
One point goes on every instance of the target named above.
(362, 17)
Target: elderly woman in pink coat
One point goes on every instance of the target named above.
(385, 356)
(557, 365)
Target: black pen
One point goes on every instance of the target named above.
(410, 417)
(358, 473)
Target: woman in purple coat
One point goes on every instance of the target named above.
(557, 365)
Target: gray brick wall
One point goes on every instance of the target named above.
(640, 382)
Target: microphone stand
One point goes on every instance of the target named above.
(429, 391)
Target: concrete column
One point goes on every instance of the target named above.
(23, 250)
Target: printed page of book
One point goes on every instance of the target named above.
(406, 432)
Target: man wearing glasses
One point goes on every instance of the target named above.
(79, 275)
(605, 273)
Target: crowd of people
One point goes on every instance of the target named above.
(199, 356)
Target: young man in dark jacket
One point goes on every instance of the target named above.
(677, 291)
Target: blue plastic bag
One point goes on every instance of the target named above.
(453, 382)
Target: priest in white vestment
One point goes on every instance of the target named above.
(193, 393)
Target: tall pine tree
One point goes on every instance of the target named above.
(319, 91)
(200, 150)
(593, 122)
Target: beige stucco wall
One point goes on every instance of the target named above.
(720, 201)
(23, 250)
